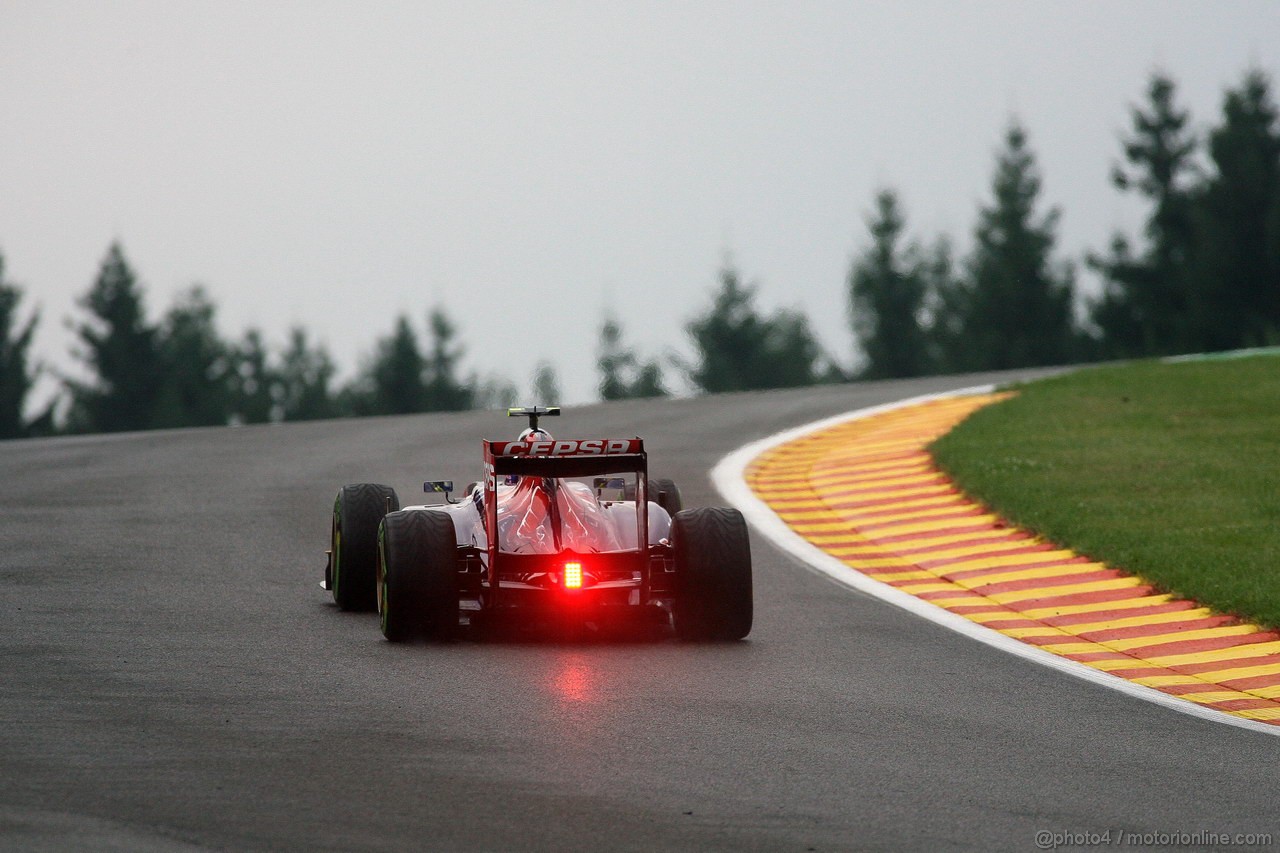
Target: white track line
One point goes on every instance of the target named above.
(729, 478)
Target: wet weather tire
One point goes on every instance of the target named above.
(713, 598)
(357, 512)
(417, 580)
(665, 493)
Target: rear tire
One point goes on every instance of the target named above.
(713, 596)
(357, 511)
(665, 493)
(417, 581)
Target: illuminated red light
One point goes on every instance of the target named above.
(573, 575)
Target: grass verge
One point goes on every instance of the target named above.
(1168, 471)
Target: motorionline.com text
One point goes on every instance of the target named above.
(1049, 840)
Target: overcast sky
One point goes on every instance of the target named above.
(529, 166)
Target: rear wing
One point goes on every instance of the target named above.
(584, 457)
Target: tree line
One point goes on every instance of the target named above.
(1203, 275)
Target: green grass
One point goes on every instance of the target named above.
(1169, 471)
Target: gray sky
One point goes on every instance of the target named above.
(530, 165)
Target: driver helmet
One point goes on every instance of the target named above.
(528, 435)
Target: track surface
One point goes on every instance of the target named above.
(174, 678)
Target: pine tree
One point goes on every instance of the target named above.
(303, 380)
(444, 392)
(622, 374)
(122, 349)
(196, 368)
(611, 360)
(1019, 311)
(546, 385)
(1147, 304)
(1239, 222)
(16, 377)
(254, 382)
(397, 373)
(947, 303)
(739, 350)
(886, 298)
(648, 382)
(791, 357)
(728, 337)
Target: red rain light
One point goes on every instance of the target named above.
(573, 575)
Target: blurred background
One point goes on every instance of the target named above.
(234, 212)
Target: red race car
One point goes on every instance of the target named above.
(562, 529)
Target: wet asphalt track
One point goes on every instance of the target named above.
(174, 678)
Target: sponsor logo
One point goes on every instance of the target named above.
(568, 447)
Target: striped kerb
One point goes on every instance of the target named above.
(868, 493)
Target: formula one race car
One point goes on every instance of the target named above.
(560, 529)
